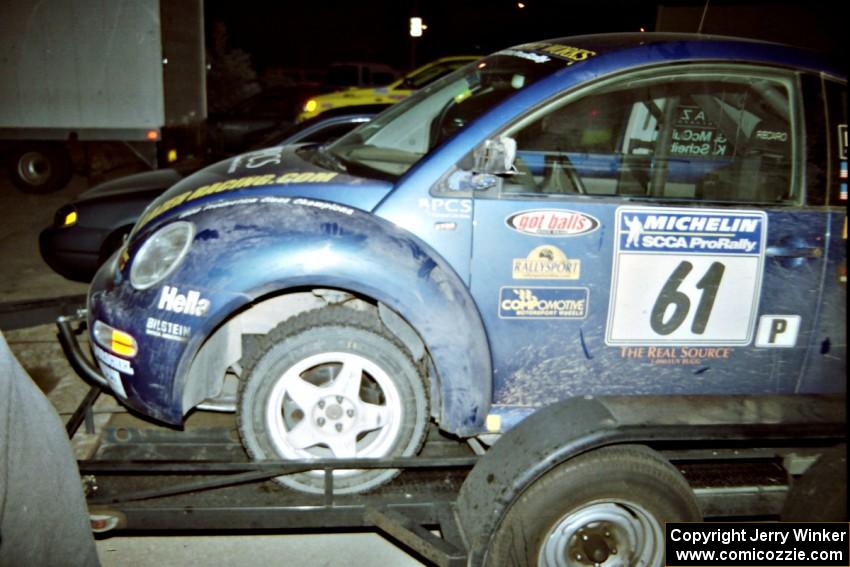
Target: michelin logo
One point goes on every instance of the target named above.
(736, 232)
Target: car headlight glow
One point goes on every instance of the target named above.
(161, 254)
(311, 105)
(65, 217)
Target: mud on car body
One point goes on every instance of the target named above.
(620, 214)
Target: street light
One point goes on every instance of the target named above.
(417, 27)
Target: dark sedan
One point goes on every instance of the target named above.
(86, 231)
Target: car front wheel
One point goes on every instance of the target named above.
(332, 383)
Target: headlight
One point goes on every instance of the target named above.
(311, 105)
(161, 254)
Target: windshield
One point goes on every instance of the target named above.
(398, 138)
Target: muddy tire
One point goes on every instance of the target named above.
(332, 383)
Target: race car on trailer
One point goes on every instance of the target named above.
(656, 221)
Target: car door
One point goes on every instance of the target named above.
(654, 239)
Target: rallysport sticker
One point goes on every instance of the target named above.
(685, 276)
(546, 262)
(552, 222)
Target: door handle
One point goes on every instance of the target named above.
(794, 251)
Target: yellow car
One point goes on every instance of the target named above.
(378, 98)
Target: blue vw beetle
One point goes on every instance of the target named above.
(617, 214)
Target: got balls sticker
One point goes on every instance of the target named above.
(552, 222)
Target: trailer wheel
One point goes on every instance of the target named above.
(332, 383)
(40, 167)
(606, 507)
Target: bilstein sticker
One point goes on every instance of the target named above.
(552, 222)
(167, 330)
(546, 262)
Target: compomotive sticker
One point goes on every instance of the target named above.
(552, 222)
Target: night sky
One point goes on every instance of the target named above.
(312, 34)
(315, 33)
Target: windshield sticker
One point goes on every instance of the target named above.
(543, 302)
(685, 276)
(552, 222)
(546, 263)
(238, 183)
(567, 52)
(535, 57)
(778, 331)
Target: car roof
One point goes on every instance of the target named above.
(662, 46)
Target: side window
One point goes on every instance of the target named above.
(699, 136)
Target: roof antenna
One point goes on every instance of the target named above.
(702, 19)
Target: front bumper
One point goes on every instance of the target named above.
(116, 374)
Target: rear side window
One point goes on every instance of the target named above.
(699, 136)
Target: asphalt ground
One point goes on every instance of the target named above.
(24, 276)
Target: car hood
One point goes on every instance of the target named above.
(144, 182)
(285, 171)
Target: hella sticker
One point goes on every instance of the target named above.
(189, 304)
(552, 222)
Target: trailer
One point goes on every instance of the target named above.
(461, 503)
(80, 77)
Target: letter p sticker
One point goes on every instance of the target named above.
(777, 331)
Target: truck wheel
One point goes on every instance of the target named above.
(606, 507)
(39, 168)
(332, 383)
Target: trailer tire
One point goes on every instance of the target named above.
(38, 168)
(298, 402)
(607, 504)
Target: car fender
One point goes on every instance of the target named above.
(247, 252)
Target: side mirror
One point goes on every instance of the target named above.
(495, 156)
